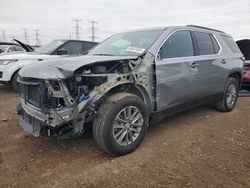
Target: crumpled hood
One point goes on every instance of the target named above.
(28, 56)
(64, 67)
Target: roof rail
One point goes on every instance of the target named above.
(205, 28)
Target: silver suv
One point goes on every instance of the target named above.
(127, 81)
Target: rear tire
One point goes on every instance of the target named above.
(230, 96)
(14, 82)
(121, 124)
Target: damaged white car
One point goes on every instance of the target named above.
(126, 81)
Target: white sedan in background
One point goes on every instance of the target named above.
(10, 64)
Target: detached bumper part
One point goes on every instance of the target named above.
(30, 124)
(38, 128)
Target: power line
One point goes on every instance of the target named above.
(93, 29)
(37, 37)
(77, 28)
(3, 34)
(25, 36)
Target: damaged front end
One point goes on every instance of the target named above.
(64, 105)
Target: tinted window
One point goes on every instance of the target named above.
(178, 45)
(204, 43)
(50, 48)
(216, 45)
(11, 49)
(3, 47)
(72, 48)
(86, 46)
(230, 43)
(18, 48)
(245, 49)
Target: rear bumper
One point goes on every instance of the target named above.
(246, 77)
(246, 80)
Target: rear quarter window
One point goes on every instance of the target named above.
(216, 45)
(231, 44)
(205, 43)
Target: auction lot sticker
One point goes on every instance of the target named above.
(135, 50)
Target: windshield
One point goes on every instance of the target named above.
(3, 48)
(131, 43)
(50, 48)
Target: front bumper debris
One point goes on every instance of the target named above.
(30, 124)
(38, 128)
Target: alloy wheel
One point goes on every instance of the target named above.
(127, 125)
(231, 95)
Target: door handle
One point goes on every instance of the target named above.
(223, 61)
(194, 65)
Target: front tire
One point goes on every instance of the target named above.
(14, 82)
(121, 124)
(230, 96)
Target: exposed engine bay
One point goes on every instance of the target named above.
(66, 107)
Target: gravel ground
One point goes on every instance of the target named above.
(198, 148)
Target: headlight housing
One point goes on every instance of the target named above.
(6, 62)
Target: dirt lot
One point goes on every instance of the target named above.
(198, 148)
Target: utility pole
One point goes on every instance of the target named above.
(25, 36)
(3, 33)
(93, 29)
(37, 37)
(77, 28)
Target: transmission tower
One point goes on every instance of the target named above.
(93, 29)
(77, 28)
(25, 36)
(37, 37)
(3, 34)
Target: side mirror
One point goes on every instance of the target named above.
(62, 52)
(159, 55)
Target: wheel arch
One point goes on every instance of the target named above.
(137, 90)
(237, 74)
(13, 74)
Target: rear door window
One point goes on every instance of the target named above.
(72, 48)
(86, 46)
(11, 49)
(230, 43)
(204, 43)
(18, 48)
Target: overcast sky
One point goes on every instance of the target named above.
(54, 18)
